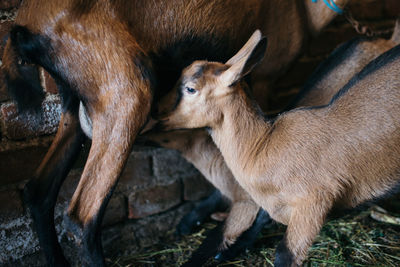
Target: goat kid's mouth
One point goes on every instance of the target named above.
(160, 125)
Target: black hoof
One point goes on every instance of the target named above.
(283, 257)
(200, 212)
(246, 239)
(188, 223)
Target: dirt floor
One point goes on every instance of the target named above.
(353, 240)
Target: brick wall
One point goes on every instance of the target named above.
(157, 186)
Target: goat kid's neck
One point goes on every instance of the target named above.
(242, 134)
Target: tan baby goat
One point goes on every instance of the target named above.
(308, 160)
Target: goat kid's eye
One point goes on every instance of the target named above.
(190, 90)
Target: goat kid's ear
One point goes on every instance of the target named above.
(246, 59)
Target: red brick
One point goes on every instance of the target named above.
(138, 173)
(10, 205)
(154, 200)
(115, 211)
(7, 4)
(48, 82)
(196, 187)
(18, 126)
(69, 185)
(169, 165)
(392, 8)
(19, 164)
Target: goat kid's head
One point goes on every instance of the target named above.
(195, 101)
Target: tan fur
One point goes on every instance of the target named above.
(196, 147)
(309, 160)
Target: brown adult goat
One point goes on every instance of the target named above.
(309, 160)
(116, 57)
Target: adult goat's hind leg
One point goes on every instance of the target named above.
(114, 131)
(40, 193)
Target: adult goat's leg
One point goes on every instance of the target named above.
(114, 131)
(40, 193)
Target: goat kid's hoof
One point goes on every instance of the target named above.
(186, 225)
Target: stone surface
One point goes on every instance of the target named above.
(129, 236)
(138, 172)
(10, 205)
(169, 165)
(17, 126)
(196, 187)
(154, 200)
(20, 163)
(135, 234)
(116, 210)
(7, 4)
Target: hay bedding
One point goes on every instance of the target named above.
(353, 240)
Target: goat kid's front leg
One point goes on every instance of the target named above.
(305, 223)
(199, 213)
(248, 233)
(40, 193)
(241, 217)
(114, 132)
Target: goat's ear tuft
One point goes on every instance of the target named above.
(246, 59)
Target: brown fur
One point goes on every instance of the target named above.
(100, 53)
(364, 50)
(309, 160)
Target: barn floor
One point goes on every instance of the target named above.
(353, 240)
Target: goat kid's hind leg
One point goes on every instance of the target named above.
(304, 225)
(114, 132)
(40, 193)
